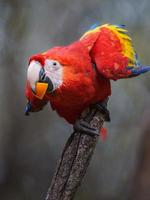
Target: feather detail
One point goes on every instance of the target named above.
(126, 42)
(111, 49)
(103, 134)
(139, 70)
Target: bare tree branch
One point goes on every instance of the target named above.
(74, 161)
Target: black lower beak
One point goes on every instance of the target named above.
(28, 108)
(50, 84)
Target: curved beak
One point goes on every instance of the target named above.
(43, 85)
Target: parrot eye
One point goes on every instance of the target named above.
(52, 64)
(33, 73)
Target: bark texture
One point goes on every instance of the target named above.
(74, 160)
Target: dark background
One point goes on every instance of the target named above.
(30, 146)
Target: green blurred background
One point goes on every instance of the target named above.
(30, 146)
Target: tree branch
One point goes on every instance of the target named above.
(74, 161)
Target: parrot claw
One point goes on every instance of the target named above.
(84, 127)
(102, 107)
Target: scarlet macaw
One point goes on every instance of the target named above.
(77, 76)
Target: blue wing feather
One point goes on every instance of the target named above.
(140, 70)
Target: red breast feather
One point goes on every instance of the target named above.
(81, 85)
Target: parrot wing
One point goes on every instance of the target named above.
(112, 52)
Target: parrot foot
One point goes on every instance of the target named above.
(102, 107)
(84, 127)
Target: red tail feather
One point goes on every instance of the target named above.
(103, 134)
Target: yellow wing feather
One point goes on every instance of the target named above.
(125, 40)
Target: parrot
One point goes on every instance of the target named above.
(77, 76)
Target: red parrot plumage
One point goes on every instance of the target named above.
(76, 76)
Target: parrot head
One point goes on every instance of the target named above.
(44, 76)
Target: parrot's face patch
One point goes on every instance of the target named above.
(53, 70)
(45, 78)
